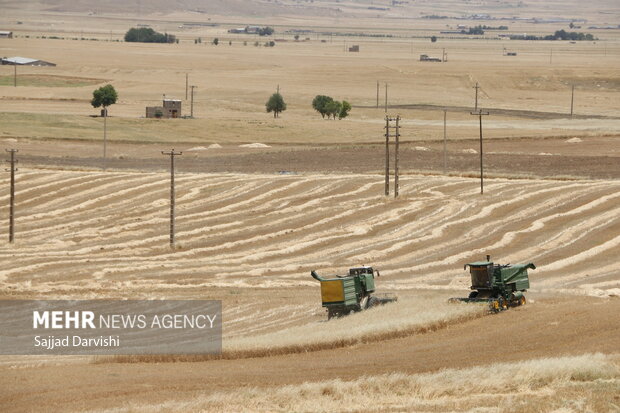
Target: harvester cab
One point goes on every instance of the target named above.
(498, 285)
(343, 294)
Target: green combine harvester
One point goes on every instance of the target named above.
(344, 294)
(501, 286)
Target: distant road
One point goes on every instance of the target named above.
(530, 114)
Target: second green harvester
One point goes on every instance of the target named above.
(344, 294)
(501, 286)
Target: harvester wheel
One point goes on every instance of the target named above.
(522, 300)
(495, 306)
(502, 304)
(332, 313)
(473, 294)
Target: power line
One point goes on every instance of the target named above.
(445, 160)
(12, 161)
(476, 87)
(480, 114)
(172, 154)
(191, 113)
(396, 135)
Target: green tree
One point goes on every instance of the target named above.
(275, 104)
(345, 108)
(319, 103)
(433, 39)
(265, 31)
(333, 108)
(216, 41)
(148, 35)
(104, 97)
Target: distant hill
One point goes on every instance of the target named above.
(256, 8)
(605, 11)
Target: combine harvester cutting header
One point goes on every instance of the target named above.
(349, 293)
(499, 285)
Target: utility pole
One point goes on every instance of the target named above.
(13, 161)
(480, 114)
(445, 159)
(191, 113)
(476, 87)
(397, 136)
(105, 136)
(387, 156)
(186, 84)
(386, 88)
(172, 154)
(377, 94)
(278, 89)
(551, 56)
(572, 100)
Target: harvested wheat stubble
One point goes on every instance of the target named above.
(76, 230)
(568, 384)
(403, 318)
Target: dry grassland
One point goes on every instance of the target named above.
(588, 383)
(234, 82)
(408, 317)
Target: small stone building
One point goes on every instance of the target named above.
(171, 108)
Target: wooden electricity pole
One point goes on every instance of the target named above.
(172, 154)
(572, 100)
(15, 75)
(396, 135)
(476, 104)
(396, 142)
(191, 113)
(480, 114)
(387, 156)
(12, 161)
(445, 160)
(105, 136)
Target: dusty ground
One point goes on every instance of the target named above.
(559, 326)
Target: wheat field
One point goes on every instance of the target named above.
(584, 383)
(93, 233)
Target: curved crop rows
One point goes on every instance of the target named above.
(88, 231)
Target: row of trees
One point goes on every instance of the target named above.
(558, 35)
(148, 35)
(325, 105)
(329, 107)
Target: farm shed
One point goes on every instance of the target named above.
(171, 108)
(25, 61)
(6, 35)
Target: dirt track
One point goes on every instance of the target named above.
(546, 328)
(592, 158)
